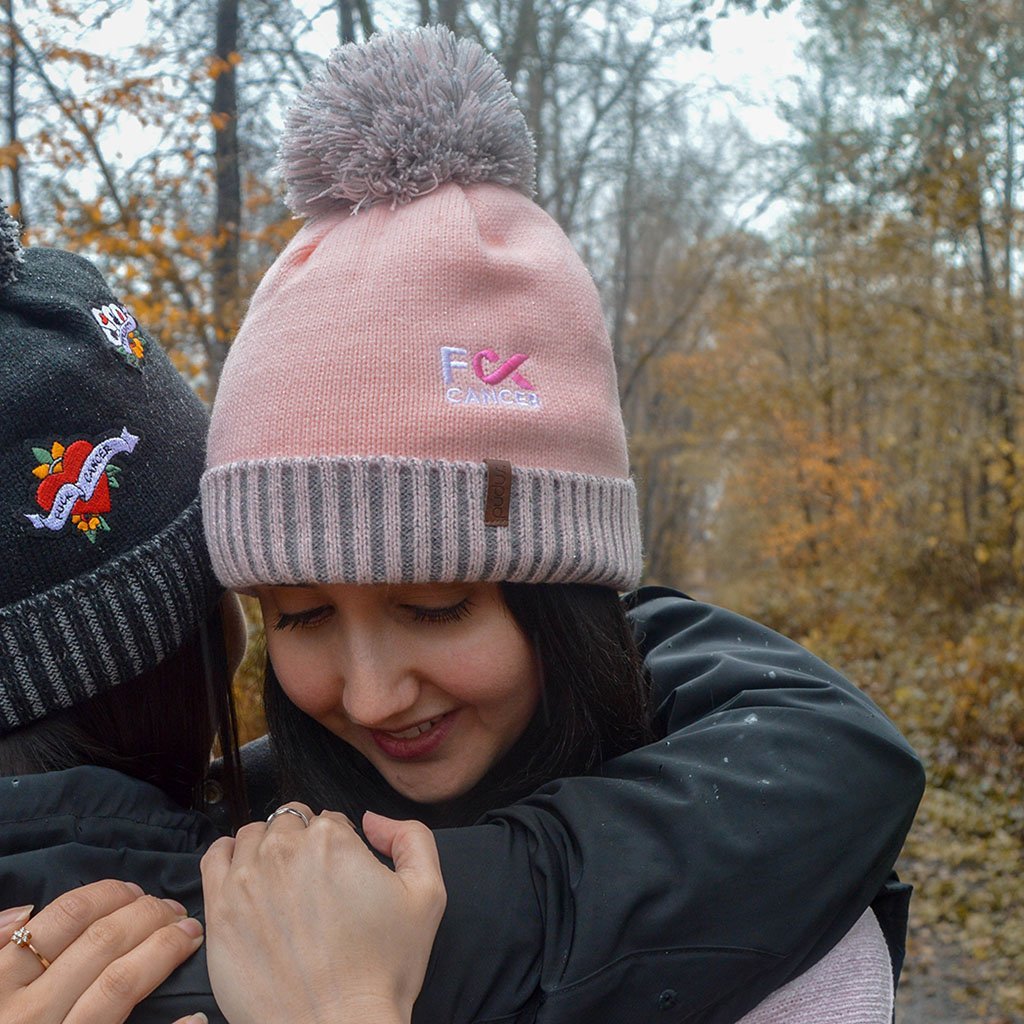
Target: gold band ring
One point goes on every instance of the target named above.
(289, 810)
(23, 937)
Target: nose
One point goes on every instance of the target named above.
(378, 688)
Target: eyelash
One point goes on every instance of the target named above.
(314, 616)
(453, 613)
(302, 620)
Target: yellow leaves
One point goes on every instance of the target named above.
(982, 555)
(56, 450)
(42, 471)
(217, 66)
(82, 58)
(11, 154)
(220, 121)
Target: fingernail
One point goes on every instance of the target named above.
(197, 1018)
(137, 889)
(16, 915)
(191, 927)
(177, 908)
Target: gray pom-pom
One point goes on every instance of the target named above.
(11, 254)
(396, 117)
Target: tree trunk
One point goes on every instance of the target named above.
(365, 18)
(227, 222)
(448, 13)
(346, 23)
(623, 273)
(17, 206)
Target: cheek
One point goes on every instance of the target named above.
(527, 684)
(305, 680)
(513, 687)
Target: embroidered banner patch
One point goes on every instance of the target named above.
(75, 483)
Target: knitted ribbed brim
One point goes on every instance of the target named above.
(66, 644)
(395, 520)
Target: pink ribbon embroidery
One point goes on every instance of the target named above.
(507, 368)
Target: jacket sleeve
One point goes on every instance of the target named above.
(691, 877)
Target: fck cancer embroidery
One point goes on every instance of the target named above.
(121, 329)
(75, 483)
(486, 379)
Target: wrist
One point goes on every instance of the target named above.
(370, 1009)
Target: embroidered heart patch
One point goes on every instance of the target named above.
(76, 481)
(66, 469)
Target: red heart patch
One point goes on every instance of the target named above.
(71, 465)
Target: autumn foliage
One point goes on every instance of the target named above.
(819, 339)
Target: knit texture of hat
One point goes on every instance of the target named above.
(105, 569)
(423, 388)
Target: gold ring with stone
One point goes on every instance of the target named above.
(23, 938)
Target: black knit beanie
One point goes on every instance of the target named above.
(103, 566)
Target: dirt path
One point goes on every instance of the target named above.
(925, 999)
(927, 996)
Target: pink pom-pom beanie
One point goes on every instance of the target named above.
(423, 389)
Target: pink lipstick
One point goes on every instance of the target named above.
(418, 741)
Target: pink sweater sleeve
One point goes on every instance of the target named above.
(851, 985)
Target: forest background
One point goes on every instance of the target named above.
(818, 339)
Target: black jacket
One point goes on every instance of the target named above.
(60, 830)
(691, 877)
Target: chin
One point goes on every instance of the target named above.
(437, 793)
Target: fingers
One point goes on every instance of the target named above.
(249, 838)
(215, 865)
(95, 963)
(11, 920)
(337, 818)
(380, 831)
(244, 849)
(411, 846)
(129, 979)
(194, 1018)
(60, 923)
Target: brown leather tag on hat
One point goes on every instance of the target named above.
(499, 492)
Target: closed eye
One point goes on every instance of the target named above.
(304, 619)
(450, 613)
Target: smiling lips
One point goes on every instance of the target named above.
(417, 741)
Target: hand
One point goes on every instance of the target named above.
(108, 945)
(305, 924)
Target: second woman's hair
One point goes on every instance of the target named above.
(594, 705)
(159, 727)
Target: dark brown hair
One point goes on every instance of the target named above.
(594, 706)
(159, 727)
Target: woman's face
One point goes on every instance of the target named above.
(432, 683)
